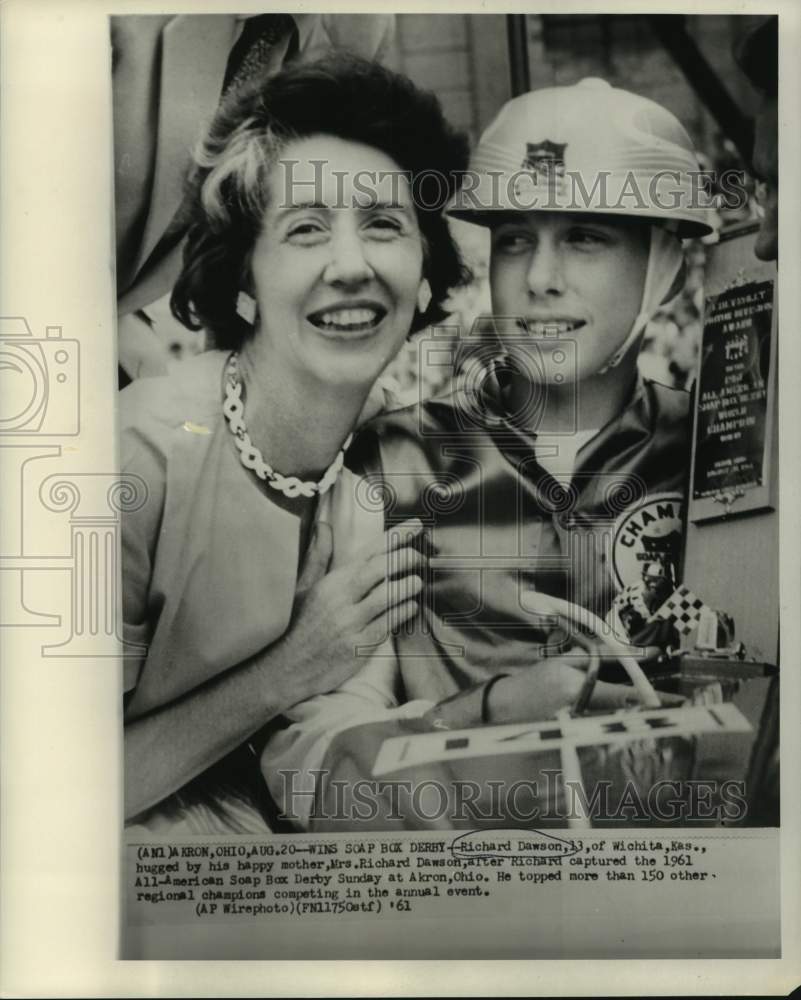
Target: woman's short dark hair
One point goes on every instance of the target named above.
(340, 96)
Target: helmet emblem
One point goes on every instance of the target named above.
(546, 160)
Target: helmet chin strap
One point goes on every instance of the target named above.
(665, 258)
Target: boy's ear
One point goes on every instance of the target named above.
(678, 283)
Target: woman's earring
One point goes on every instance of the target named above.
(246, 308)
(424, 296)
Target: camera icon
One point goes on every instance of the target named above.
(503, 375)
(39, 389)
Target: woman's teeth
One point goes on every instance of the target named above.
(348, 319)
(551, 328)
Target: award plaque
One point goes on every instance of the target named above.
(735, 388)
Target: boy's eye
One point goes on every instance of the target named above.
(588, 237)
(511, 241)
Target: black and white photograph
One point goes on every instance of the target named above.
(415, 490)
(413, 422)
(436, 548)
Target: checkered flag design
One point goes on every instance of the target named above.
(683, 608)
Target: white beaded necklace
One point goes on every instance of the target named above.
(251, 457)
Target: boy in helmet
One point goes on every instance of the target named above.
(545, 469)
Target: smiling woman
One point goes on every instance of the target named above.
(251, 573)
(336, 276)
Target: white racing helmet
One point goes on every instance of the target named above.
(594, 148)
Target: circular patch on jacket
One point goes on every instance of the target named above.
(648, 532)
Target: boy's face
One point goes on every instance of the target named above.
(572, 276)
